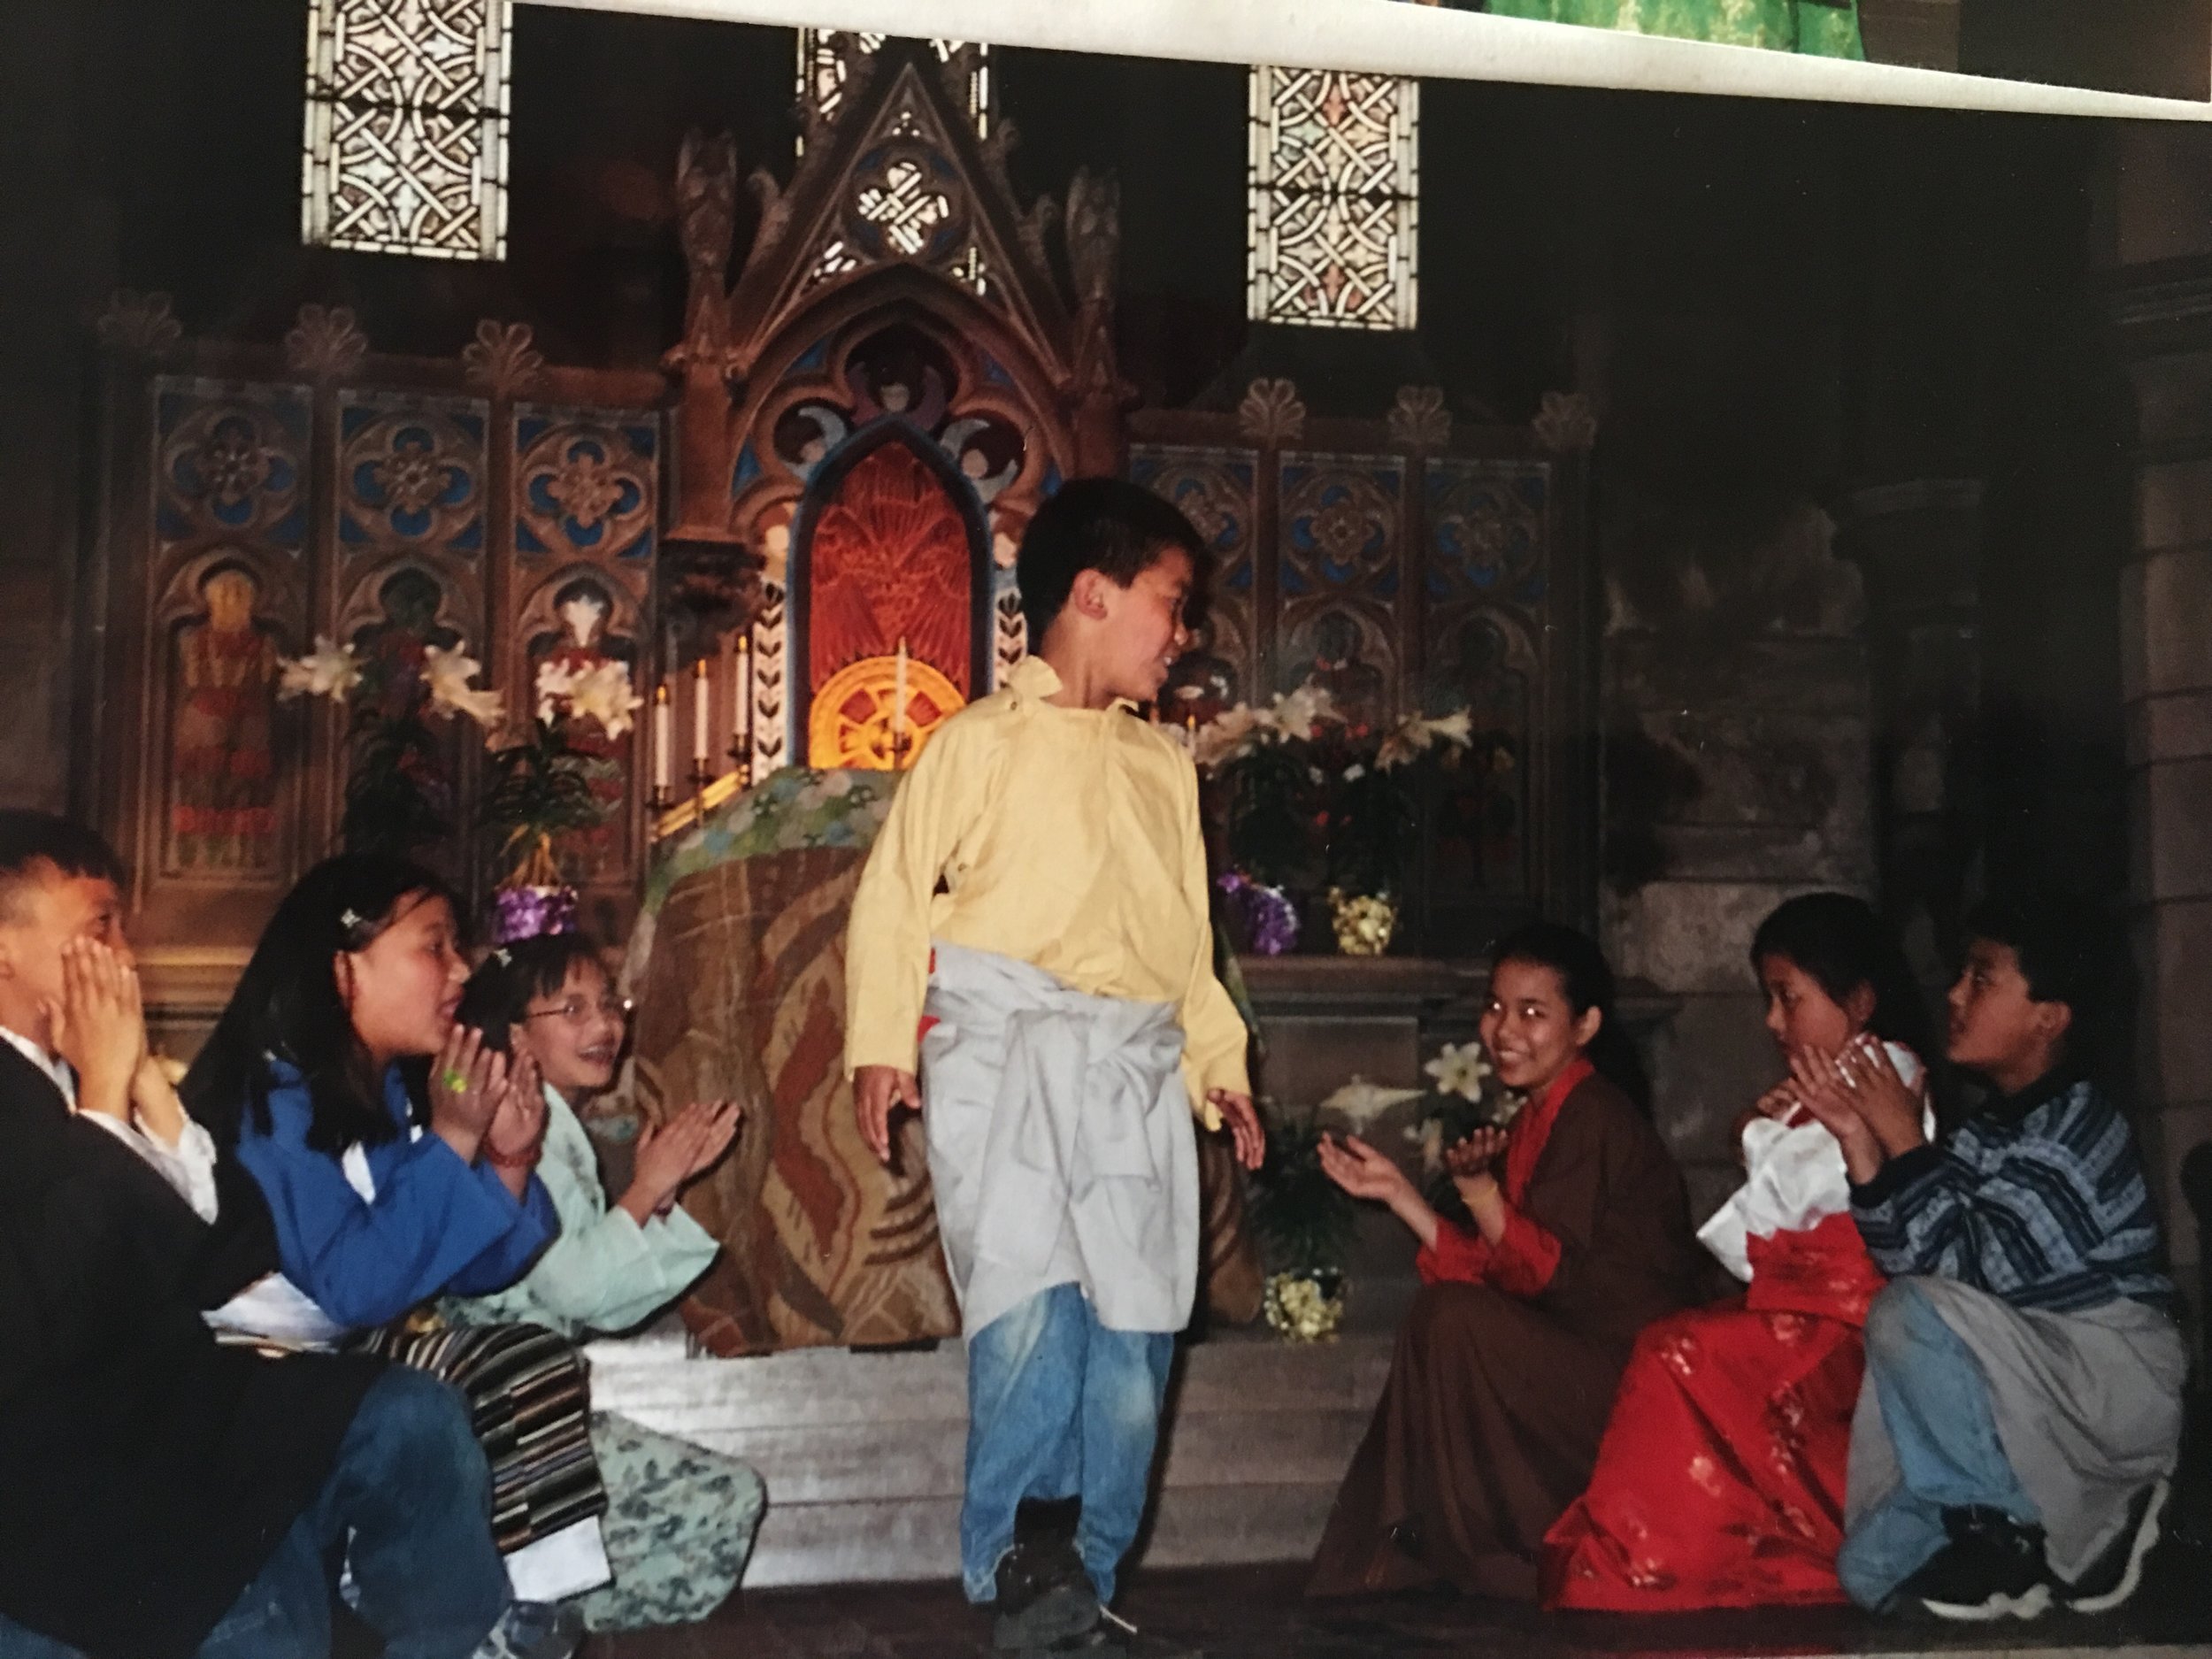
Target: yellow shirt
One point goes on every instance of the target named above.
(1066, 838)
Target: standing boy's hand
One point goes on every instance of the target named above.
(876, 1090)
(1243, 1125)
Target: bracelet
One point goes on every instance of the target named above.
(521, 1160)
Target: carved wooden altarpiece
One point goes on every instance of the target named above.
(873, 409)
(253, 498)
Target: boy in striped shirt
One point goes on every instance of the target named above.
(2022, 1407)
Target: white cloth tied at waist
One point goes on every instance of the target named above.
(1061, 1144)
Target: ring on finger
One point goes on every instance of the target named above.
(455, 1080)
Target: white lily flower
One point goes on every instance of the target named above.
(330, 670)
(556, 682)
(1459, 1068)
(448, 674)
(602, 693)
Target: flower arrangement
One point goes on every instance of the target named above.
(1303, 1222)
(1304, 1307)
(544, 787)
(1314, 799)
(399, 793)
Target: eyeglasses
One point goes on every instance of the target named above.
(576, 1010)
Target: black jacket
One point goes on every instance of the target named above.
(146, 1473)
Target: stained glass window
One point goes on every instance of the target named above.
(825, 61)
(406, 143)
(1333, 201)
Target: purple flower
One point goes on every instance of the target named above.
(520, 913)
(1264, 916)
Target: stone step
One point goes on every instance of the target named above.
(863, 1453)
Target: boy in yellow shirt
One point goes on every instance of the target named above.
(1038, 895)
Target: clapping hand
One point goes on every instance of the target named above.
(467, 1082)
(518, 1127)
(1362, 1172)
(1473, 1164)
(671, 1154)
(1860, 1099)
(98, 1025)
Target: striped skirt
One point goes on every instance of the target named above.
(530, 1395)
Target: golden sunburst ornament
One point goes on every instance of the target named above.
(854, 720)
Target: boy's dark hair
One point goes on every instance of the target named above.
(287, 1007)
(1106, 525)
(1587, 980)
(500, 992)
(2069, 951)
(29, 838)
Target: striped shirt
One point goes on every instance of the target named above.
(2039, 1199)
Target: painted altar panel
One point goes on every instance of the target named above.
(586, 514)
(1216, 490)
(1339, 576)
(1486, 585)
(886, 477)
(226, 601)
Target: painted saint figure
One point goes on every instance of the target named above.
(222, 814)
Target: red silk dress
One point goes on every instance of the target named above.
(1720, 1481)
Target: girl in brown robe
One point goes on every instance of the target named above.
(1504, 1373)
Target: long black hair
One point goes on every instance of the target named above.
(499, 993)
(1586, 978)
(287, 1007)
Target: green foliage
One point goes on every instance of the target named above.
(1303, 1219)
(398, 800)
(536, 791)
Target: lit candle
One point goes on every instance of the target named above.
(742, 716)
(898, 698)
(699, 712)
(664, 738)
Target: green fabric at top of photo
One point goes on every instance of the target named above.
(1788, 26)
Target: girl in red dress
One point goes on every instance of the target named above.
(1720, 1482)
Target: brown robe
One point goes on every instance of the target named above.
(1489, 1426)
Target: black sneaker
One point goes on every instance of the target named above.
(2115, 1574)
(1993, 1568)
(1045, 1598)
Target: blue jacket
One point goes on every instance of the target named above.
(437, 1226)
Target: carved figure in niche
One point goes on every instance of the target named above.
(222, 812)
(393, 650)
(901, 370)
(1361, 689)
(582, 645)
(1480, 819)
(706, 209)
(888, 559)
(1200, 684)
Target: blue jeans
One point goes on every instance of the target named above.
(1934, 1397)
(410, 1491)
(1059, 1406)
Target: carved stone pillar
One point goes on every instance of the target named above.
(1918, 543)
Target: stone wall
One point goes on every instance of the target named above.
(2160, 242)
(1738, 770)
